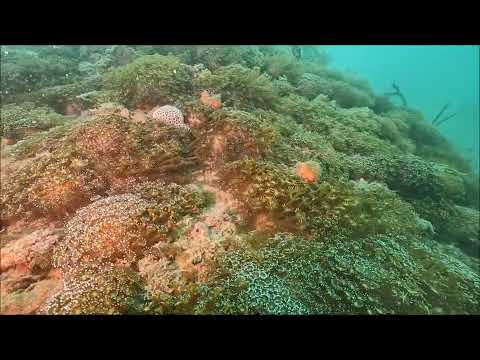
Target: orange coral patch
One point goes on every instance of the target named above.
(22, 267)
(306, 172)
(215, 103)
(211, 101)
(59, 192)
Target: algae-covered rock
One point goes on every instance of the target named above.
(19, 121)
(151, 79)
(26, 70)
(325, 207)
(107, 291)
(224, 180)
(64, 169)
(379, 274)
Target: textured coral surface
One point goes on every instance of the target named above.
(224, 180)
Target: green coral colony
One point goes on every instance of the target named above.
(388, 224)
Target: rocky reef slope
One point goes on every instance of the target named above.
(224, 180)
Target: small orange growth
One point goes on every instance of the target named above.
(211, 101)
(54, 274)
(22, 267)
(204, 97)
(215, 103)
(308, 171)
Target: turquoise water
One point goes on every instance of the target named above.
(429, 77)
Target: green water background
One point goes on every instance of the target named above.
(429, 77)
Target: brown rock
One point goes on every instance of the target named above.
(29, 253)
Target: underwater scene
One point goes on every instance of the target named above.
(239, 180)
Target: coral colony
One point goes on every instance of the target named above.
(225, 180)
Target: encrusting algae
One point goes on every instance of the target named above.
(225, 180)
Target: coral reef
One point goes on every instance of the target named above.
(25, 70)
(296, 206)
(379, 274)
(150, 80)
(19, 121)
(86, 159)
(97, 291)
(345, 95)
(225, 180)
(240, 86)
(31, 253)
(118, 229)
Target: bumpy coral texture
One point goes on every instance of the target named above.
(224, 180)
(96, 291)
(169, 115)
(102, 232)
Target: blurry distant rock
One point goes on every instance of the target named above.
(426, 226)
(91, 50)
